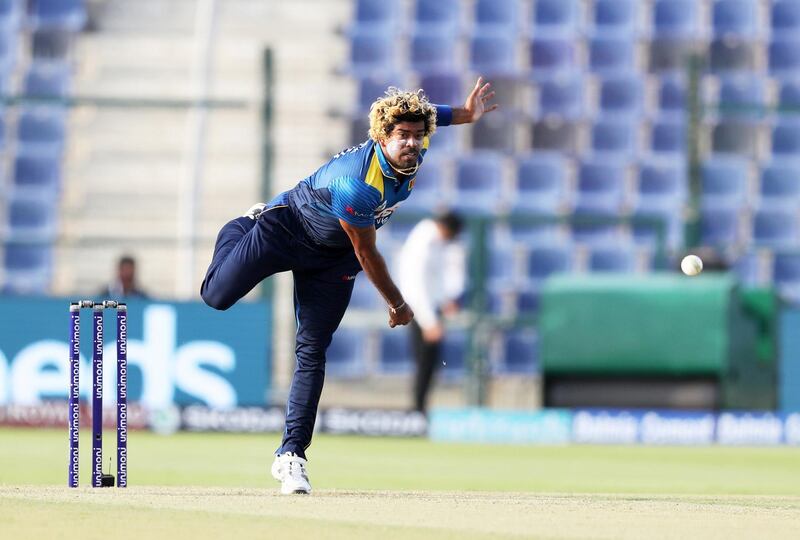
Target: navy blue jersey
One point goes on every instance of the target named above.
(357, 186)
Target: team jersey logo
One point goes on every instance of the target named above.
(382, 214)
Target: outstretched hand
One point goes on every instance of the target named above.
(476, 104)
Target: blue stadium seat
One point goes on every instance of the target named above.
(556, 17)
(371, 88)
(662, 185)
(372, 53)
(668, 136)
(676, 19)
(541, 182)
(789, 96)
(493, 54)
(519, 352)
(530, 233)
(780, 181)
(786, 138)
(455, 347)
(735, 136)
(377, 15)
(10, 15)
(784, 56)
(431, 53)
(61, 14)
(51, 44)
(397, 356)
(611, 54)
(496, 132)
(621, 94)
(9, 43)
(430, 186)
(672, 93)
(42, 129)
(742, 96)
(27, 221)
(724, 180)
(600, 186)
(547, 260)
(786, 275)
(47, 79)
(445, 87)
(551, 56)
(555, 134)
(720, 226)
(497, 15)
(775, 226)
(38, 172)
(359, 127)
(618, 257)
(746, 268)
(785, 17)
(478, 182)
(437, 16)
(734, 18)
(33, 258)
(346, 354)
(615, 135)
(501, 268)
(561, 96)
(615, 17)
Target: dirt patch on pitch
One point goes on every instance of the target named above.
(365, 514)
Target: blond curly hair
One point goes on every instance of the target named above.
(400, 106)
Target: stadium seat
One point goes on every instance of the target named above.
(10, 15)
(785, 18)
(38, 172)
(724, 180)
(541, 183)
(551, 57)
(371, 88)
(668, 136)
(618, 257)
(786, 138)
(547, 260)
(27, 268)
(561, 97)
(556, 17)
(454, 351)
(734, 18)
(741, 96)
(42, 129)
(786, 275)
(519, 352)
(397, 356)
(47, 79)
(359, 128)
(615, 135)
(720, 226)
(555, 134)
(611, 54)
(495, 132)
(784, 56)
(732, 55)
(676, 19)
(527, 233)
(377, 15)
(61, 14)
(493, 54)
(615, 17)
(27, 221)
(788, 96)
(621, 95)
(775, 226)
(52, 44)
(497, 15)
(600, 186)
(661, 185)
(443, 87)
(672, 93)
(501, 269)
(346, 354)
(780, 181)
(437, 16)
(479, 178)
(746, 268)
(735, 136)
(372, 53)
(431, 53)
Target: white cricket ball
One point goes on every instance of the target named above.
(691, 265)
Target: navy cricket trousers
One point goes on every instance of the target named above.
(248, 251)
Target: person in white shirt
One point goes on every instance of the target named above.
(431, 276)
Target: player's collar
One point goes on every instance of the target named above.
(387, 169)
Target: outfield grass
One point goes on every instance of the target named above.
(403, 488)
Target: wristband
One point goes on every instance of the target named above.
(394, 309)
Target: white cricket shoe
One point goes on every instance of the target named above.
(254, 211)
(290, 470)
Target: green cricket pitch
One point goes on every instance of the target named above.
(218, 486)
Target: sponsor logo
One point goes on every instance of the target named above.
(746, 428)
(667, 428)
(98, 466)
(382, 214)
(122, 418)
(349, 210)
(123, 467)
(605, 427)
(348, 278)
